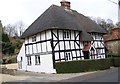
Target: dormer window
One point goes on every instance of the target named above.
(34, 38)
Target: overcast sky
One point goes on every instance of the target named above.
(27, 11)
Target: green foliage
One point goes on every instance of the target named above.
(9, 61)
(115, 61)
(8, 48)
(5, 38)
(82, 66)
(13, 60)
(18, 44)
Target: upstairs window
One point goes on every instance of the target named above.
(37, 59)
(34, 38)
(66, 34)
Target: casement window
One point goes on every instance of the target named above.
(99, 51)
(37, 59)
(34, 38)
(66, 34)
(29, 60)
(67, 55)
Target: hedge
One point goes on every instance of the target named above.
(82, 66)
(115, 61)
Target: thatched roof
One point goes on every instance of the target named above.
(56, 17)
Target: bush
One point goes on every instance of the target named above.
(82, 66)
(12, 60)
(115, 61)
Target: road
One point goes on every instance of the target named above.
(110, 75)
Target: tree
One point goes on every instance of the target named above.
(6, 47)
(105, 24)
(19, 28)
(16, 29)
(10, 30)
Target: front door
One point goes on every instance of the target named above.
(86, 54)
(20, 63)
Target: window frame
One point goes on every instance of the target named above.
(34, 38)
(29, 60)
(37, 60)
(68, 56)
(66, 34)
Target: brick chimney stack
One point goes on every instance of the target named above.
(65, 4)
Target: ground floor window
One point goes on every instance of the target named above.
(67, 55)
(29, 60)
(37, 59)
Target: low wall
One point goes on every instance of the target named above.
(10, 66)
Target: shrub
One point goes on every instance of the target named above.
(82, 66)
(115, 61)
(12, 60)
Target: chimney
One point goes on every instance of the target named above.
(65, 4)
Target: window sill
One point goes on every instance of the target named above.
(37, 64)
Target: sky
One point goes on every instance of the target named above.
(27, 11)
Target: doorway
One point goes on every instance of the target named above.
(86, 54)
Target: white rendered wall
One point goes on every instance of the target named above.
(42, 49)
(22, 54)
(46, 65)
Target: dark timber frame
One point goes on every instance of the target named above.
(66, 51)
(99, 47)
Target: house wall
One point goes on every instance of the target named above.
(113, 47)
(55, 46)
(99, 45)
(67, 45)
(21, 58)
(41, 47)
